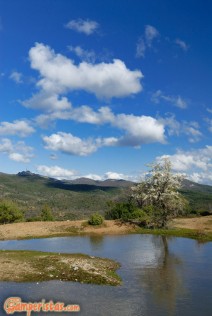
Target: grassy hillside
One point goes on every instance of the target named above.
(199, 196)
(68, 201)
(79, 198)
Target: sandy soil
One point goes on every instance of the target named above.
(38, 229)
(42, 229)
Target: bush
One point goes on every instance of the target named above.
(9, 213)
(123, 211)
(96, 219)
(46, 214)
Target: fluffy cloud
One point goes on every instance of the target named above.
(47, 101)
(138, 130)
(114, 175)
(177, 101)
(19, 151)
(111, 175)
(87, 27)
(146, 40)
(182, 44)
(16, 76)
(67, 143)
(82, 114)
(197, 164)
(20, 128)
(59, 75)
(56, 172)
(92, 176)
(68, 174)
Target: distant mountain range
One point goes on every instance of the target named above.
(82, 181)
(72, 199)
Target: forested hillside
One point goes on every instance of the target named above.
(79, 198)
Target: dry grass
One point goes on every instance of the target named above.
(65, 228)
(203, 223)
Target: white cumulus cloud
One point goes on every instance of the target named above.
(56, 172)
(47, 101)
(111, 175)
(67, 143)
(197, 164)
(114, 175)
(19, 151)
(60, 75)
(93, 176)
(18, 127)
(137, 130)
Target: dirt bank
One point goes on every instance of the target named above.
(50, 229)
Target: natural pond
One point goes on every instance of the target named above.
(160, 276)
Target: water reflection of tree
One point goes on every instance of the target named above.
(96, 241)
(163, 279)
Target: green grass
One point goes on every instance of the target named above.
(35, 266)
(177, 232)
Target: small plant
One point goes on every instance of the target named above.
(96, 219)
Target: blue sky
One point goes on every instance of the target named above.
(101, 88)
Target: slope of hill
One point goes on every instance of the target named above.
(68, 199)
(77, 199)
(199, 196)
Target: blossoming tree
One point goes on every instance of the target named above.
(159, 194)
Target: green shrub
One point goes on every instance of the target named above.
(123, 211)
(46, 214)
(139, 214)
(96, 219)
(9, 213)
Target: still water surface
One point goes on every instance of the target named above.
(161, 276)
